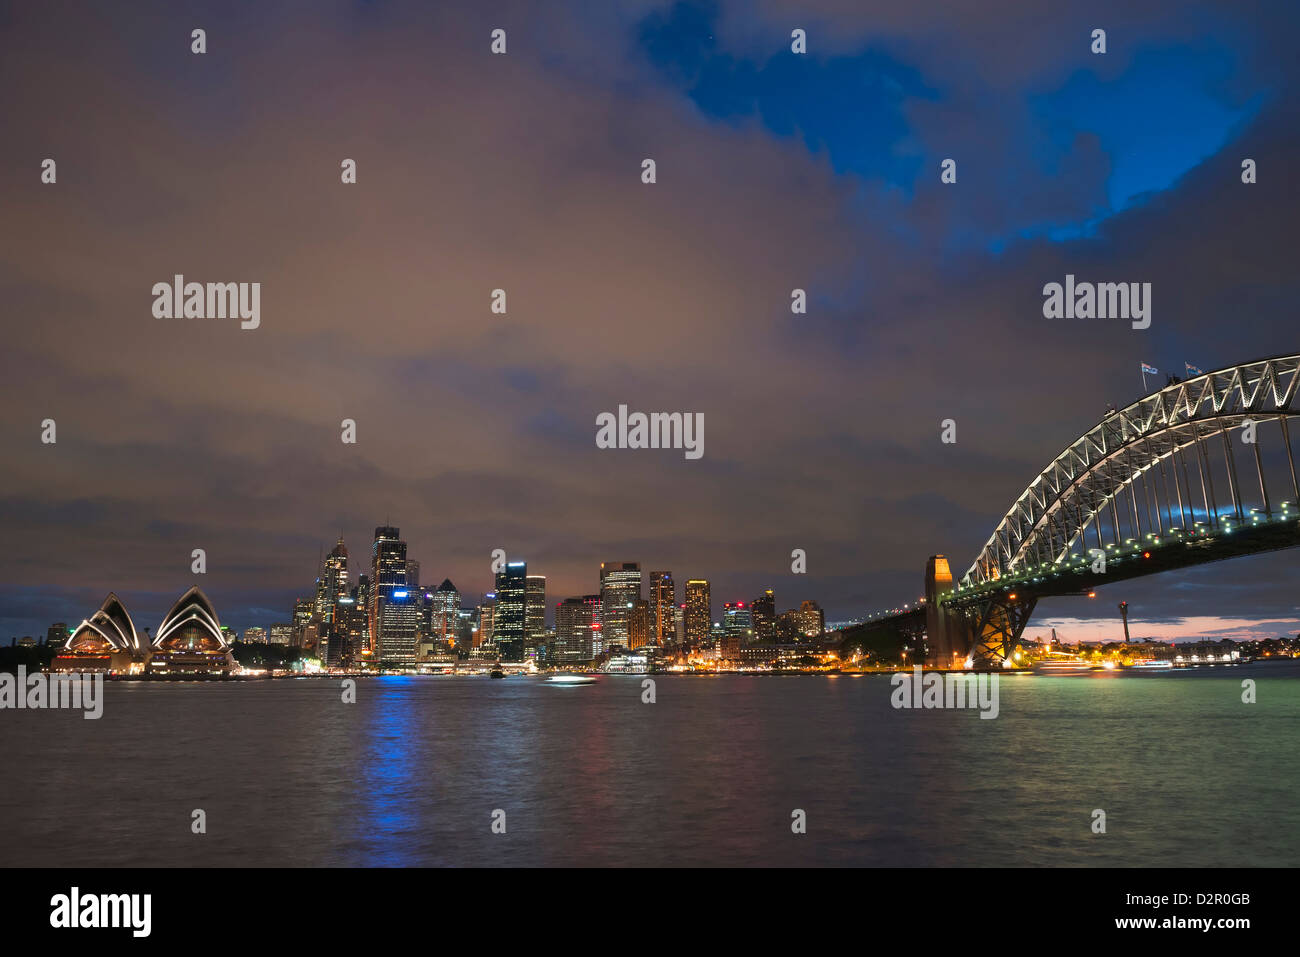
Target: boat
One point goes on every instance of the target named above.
(571, 680)
(496, 673)
(1150, 664)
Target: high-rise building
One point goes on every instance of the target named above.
(351, 627)
(281, 634)
(336, 579)
(57, 634)
(763, 617)
(663, 605)
(577, 623)
(736, 627)
(535, 608)
(303, 609)
(699, 613)
(255, 636)
(446, 612)
(399, 613)
(412, 574)
(387, 574)
(812, 620)
(510, 625)
(487, 613)
(620, 589)
(640, 625)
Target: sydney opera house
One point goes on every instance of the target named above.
(189, 642)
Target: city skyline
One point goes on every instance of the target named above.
(924, 298)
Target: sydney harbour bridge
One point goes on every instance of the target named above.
(1197, 472)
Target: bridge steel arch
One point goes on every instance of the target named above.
(1097, 478)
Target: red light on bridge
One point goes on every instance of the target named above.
(1146, 554)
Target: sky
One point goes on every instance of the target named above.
(774, 171)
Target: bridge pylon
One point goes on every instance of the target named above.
(944, 640)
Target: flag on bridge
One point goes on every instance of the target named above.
(1149, 370)
(1192, 370)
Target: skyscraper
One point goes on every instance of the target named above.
(510, 626)
(487, 613)
(412, 574)
(577, 622)
(663, 605)
(736, 626)
(446, 611)
(620, 588)
(640, 625)
(763, 617)
(399, 614)
(387, 573)
(333, 582)
(535, 608)
(699, 613)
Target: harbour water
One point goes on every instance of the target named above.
(708, 775)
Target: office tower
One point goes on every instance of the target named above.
(577, 623)
(763, 617)
(57, 634)
(399, 613)
(336, 574)
(281, 634)
(681, 625)
(412, 574)
(620, 588)
(812, 620)
(736, 629)
(663, 604)
(302, 614)
(510, 627)
(640, 625)
(446, 612)
(789, 627)
(535, 608)
(255, 636)
(387, 574)
(699, 613)
(487, 613)
(351, 626)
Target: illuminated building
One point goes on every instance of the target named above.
(640, 625)
(280, 635)
(812, 619)
(577, 622)
(399, 613)
(736, 629)
(509, 625)
(255, 636)
(106, 641)
(699, 613)
(535, 609)
(487, 613)
(446, 612)
(663, 605)
(412, 574)
(620, 589)
(763, 617)
(190, 639)
(387, 574)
